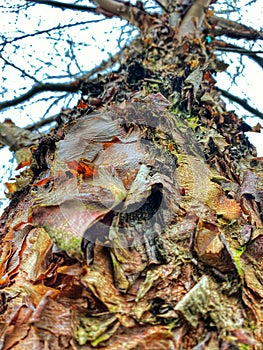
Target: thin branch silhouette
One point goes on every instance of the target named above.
(64, 5)
(243, 103)
(38, 88)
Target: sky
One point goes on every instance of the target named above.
(96, 47)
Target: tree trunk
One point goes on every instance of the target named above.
(139, 222)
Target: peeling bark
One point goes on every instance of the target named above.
(193, 19)
(141, 224)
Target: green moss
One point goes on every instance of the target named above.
(96, 329)
(193, 122)
(237, 252)
(244, 347)
(66, 242)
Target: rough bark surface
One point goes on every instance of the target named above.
(139, 221)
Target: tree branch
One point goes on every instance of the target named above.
(162, 5)
(15, 137)
(193, 18)
(64, 5)
(41, 123)
(11, 41)
(19, 69)
(108, 8)
(223, 46)
(36, 89)
(243, 103)
(68, 87)
(230, 33)
(125, 10)
(233, 29)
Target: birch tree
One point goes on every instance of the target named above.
(136, 222)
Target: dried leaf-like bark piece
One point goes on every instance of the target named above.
(249, 185)
(195, 79)
(81, 168)
(206, 299)
(56, 314)
(85, 138)
(217, 200)
(255, 248)
(65, 232)
(251, 261)
(228, 208)
(95, 329)
(251, 199)
(37, 254)
(44, 181)
(11, 187)
(99, 280)
(210, 248)
(14, 334)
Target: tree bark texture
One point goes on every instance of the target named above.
(139, 223)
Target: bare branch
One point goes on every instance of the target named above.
(193, 18)
(19, 69)
(243, 103)
(223, 46)
(233, 29)
(41, 123)
(56, 87)
(45, 121)
(161, 4)
(15, 137)
(64, 5)
(230, 33)
(125, 10)
(104, 65)
(108, 8)
(36, 89)
(69, 25)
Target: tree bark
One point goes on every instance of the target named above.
(140, 225)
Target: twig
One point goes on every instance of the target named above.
(234, 29)
(19, 69)
(64, 5)
(30, 35)
(41, 123)
(162, 6)
(36, 89)
(56, 87)
(242, 103)
(240, 50)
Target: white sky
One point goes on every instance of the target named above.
(92, 55)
